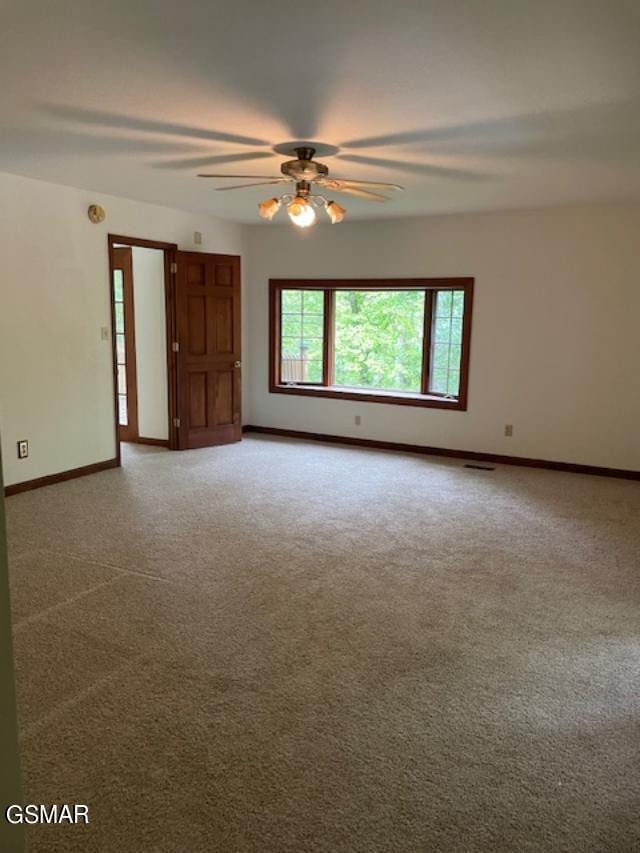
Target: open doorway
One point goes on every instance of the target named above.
(180, 388)
(142, 330)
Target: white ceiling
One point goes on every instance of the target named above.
(471, 104)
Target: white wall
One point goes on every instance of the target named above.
(555, 347)
(56, 385)
(151, 342)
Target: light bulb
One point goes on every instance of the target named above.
(268, 209)
(301, 213)
(335, 212)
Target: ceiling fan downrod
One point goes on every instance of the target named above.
(305, 153)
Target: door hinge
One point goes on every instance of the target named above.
(176, 422)
(174, 267)
(175, 346)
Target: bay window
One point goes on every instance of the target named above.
(400, 341)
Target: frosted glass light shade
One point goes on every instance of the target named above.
(301, 213)
(335, 212)
(268, 209)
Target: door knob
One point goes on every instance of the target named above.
(238, 364)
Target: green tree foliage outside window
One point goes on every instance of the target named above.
(378, 339)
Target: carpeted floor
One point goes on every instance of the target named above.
(285, 647)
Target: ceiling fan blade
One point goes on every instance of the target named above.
(242, 177)
(336, 183)
(259, 184)
(360, 193)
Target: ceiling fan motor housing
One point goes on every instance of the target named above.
(304, 168)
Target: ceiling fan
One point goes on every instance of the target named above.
(307, 174)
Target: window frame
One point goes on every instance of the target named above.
(326, 388)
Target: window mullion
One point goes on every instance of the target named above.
(429, 302)
(329, 338)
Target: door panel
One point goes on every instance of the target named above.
(224, 398)
(208, 326)
(196, 271)
(224, 275)
(198, 399)
(223, 314)
(197, 340)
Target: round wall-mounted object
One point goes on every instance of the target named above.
(96, 213)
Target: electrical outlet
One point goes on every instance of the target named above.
(23, 449)
(508, 430)
(358, 420)
(197, 238)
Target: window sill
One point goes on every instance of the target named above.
(396, 398)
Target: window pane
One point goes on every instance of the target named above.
(119, 317)
(122, 379)
(120, 349)
(443, 304)
(378, 339)
(441, 356)
(292, 347)
(314, 371)
(439, 381)
(293, 369)
(118, 292)
(313, 301)
(313, 325)
(302, 342)
(312, 349)
(446, 344)
(122, 410)
(442, 329)
(458, 303)
(291, 301)
(291, 325)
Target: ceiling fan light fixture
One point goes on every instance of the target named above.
(335, 212)
(268, 209)
(301, 212)
(308, 175)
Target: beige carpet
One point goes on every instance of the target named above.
(282, 646)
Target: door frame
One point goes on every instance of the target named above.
(169, 250)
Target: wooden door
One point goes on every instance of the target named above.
(124, 322)
(208, 331)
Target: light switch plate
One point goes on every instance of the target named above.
(104, 333)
